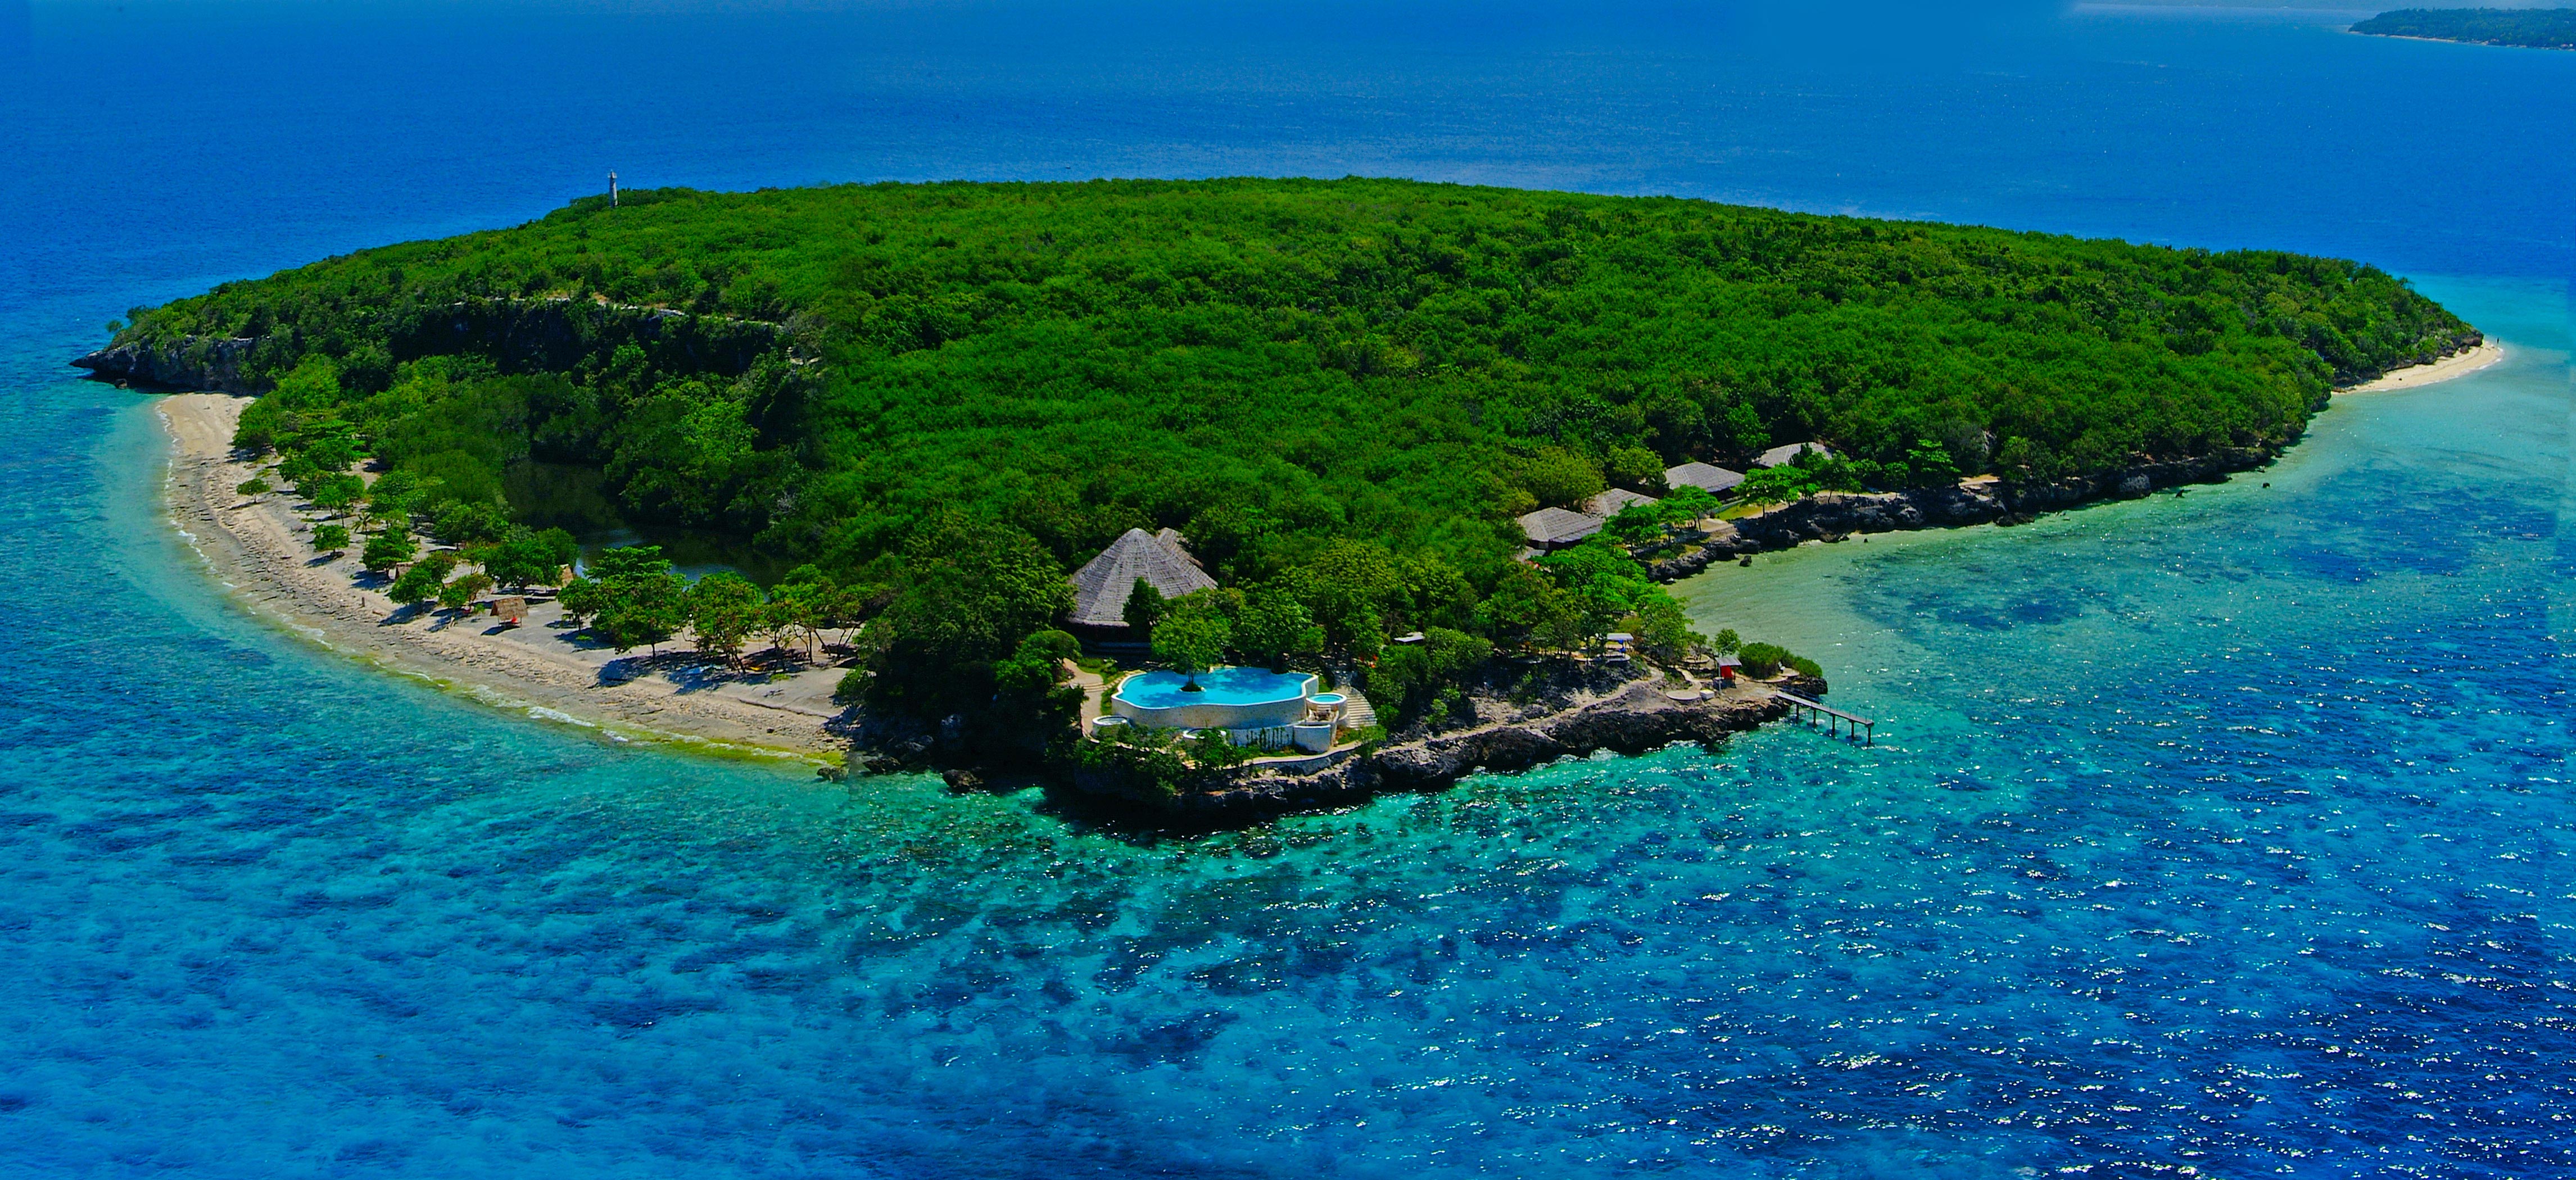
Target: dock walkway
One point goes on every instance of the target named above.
(1863, 727)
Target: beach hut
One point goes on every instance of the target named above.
(1160, 560)
(1615, 645)
(510, 608)
(1708, 477)
(1550, 529)
(1727, 667)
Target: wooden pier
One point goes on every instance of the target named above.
(1835, 719)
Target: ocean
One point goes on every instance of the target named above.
(2218, 834)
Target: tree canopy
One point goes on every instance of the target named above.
(943, 396)
(1265, 364)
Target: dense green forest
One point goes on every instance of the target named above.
(2532, 28)
(1342, 388)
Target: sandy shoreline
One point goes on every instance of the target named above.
(260, 548)
(2461, 365)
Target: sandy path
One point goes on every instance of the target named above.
(2448, 367)
(260, 547)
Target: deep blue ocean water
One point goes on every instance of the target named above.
(2227, 832)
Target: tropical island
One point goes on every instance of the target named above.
(1412, 460)
(2528, 28)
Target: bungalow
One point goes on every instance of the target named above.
(1160, 560)
(1550, 529)
(1708, 477)
(1783, 455)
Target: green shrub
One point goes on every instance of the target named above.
(1212, 748)
(1762, 661)
(1410, 678)
(423, 581)
(392, 547)
(1141, 762)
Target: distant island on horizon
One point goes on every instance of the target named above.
(2522, 28)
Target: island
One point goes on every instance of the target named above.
(2528, 28)
(1196, 497)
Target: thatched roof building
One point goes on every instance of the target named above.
(1780, 456)
(1608, 504)
(1101, 587)
(1556, 528)
(1707, 477)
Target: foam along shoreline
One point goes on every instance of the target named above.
(2486, 355)
(261, 548)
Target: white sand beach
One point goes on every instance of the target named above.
(2456, 365)
(260, 547)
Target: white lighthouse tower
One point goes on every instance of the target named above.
(612, 190)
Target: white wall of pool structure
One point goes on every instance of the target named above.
(1253, 706)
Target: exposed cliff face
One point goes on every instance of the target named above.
(519, 335)
(550, 335)
(1830, 515)
(189, 363)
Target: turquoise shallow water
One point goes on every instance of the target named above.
(2227, 832)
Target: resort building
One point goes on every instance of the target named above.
(1708, 477)
(1101, 586)
(1781, 456)
(1608, 504)
(1551, 529)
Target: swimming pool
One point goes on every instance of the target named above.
(1228, 698)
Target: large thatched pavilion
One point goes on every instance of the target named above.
(1101, 586)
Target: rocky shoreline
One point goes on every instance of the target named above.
(1504, 726)
(1831, 516)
